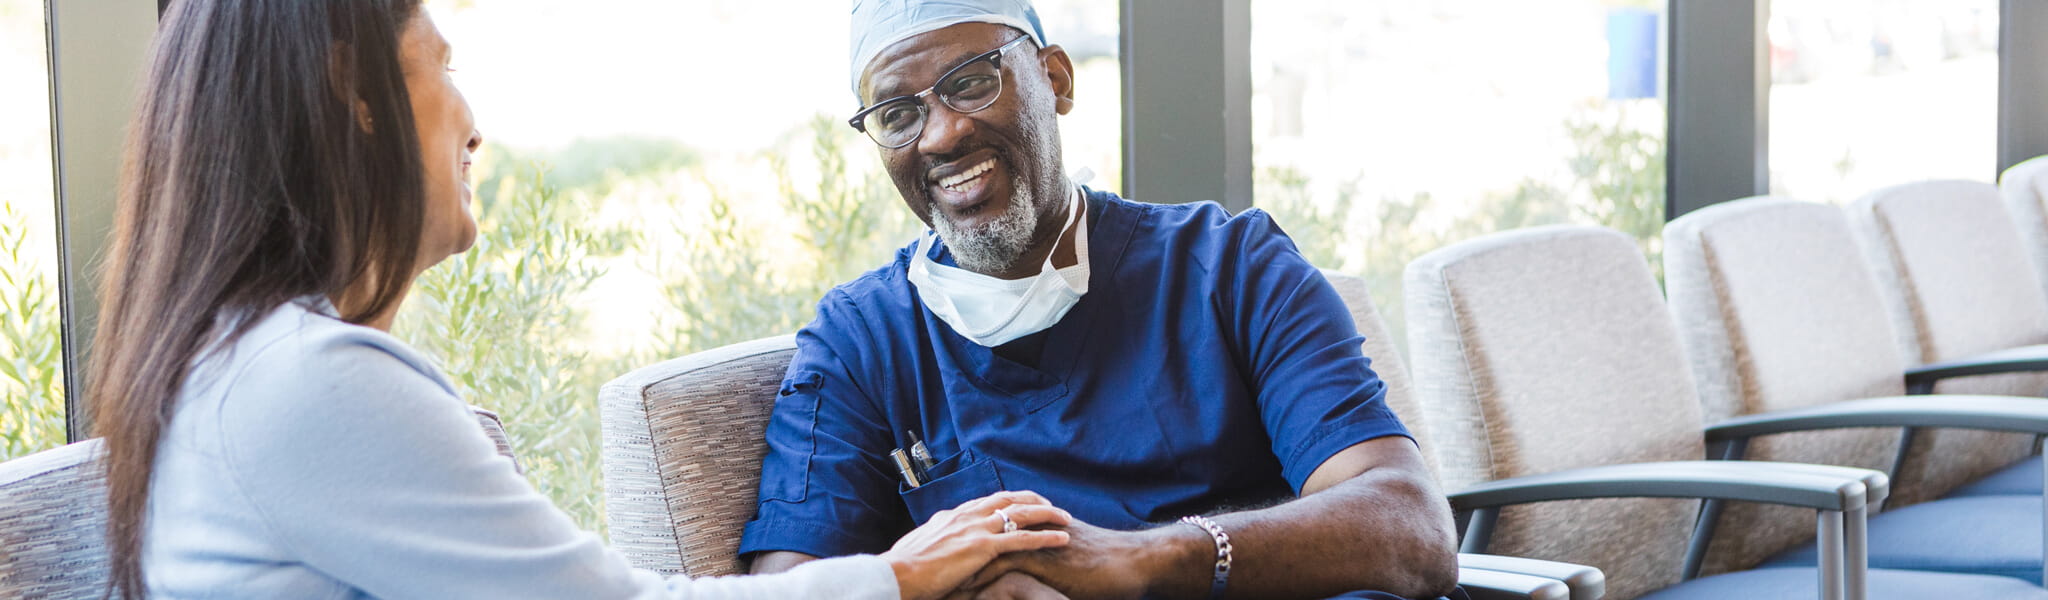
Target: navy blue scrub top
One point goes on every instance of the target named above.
(1209, 367)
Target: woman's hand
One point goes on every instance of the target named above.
(941, 554)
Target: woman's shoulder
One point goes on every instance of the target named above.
(300, 365)
(303, 341)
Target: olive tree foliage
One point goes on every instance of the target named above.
(1614, 178)
(511, 320)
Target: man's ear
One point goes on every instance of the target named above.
(1059, 71)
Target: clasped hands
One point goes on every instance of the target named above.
(966, 553)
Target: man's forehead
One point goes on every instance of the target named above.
(911, 64)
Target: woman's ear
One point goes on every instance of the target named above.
(362, 111)
(341, 78)
(1059, 71)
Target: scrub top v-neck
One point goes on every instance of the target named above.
(1208, 366)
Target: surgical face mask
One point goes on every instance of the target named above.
(993, 311)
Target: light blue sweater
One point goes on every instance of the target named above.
(318, 459)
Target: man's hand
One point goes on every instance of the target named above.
(1010, 586)
(1370, 518)
(1104, 563)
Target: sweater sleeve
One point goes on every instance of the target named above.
(364, 467)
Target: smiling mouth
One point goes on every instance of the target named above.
(956, 182)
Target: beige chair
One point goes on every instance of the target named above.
(1754, 359)
(1964, 300)
(53, 519)
(1582, 582)
(1780, 313)
(2025, 187)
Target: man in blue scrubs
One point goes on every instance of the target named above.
(1134, 363)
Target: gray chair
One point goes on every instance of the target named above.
(684, 440)
(1558, 392)
(1779, 313)
(1969, 310)
(53, 518)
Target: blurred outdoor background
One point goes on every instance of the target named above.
(665, 177)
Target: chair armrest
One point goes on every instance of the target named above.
(1991, 413)
(1584, 582)
(2024, 359)
(1482, 584)
(1818, 487)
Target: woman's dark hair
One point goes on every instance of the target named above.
(272, 157)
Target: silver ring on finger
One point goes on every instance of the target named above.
(1008, 524)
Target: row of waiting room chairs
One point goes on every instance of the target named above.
(1792, 333)
(1561, 399)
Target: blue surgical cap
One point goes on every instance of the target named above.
(880, 23)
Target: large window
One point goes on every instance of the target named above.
(1869, 93)
(662, 178)
(31, 356)
(1384, 129)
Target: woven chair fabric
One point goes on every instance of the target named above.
(683, 444)
(53, 518)
(1547, 349)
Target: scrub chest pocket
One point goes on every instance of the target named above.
(976, 479)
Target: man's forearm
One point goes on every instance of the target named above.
(1377, 531)
(778, 561)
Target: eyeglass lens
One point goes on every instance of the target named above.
(971, 88)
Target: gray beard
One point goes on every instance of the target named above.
(996, 246)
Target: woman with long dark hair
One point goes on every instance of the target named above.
(292, 167)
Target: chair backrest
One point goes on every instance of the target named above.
(53, 518)
(53, 524)
(683, 444)
(1386, 361)
(1778, 311)
(1546, 349)
(1958, 282)
(1948, 252)
(2025, 187)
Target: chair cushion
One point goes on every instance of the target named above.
(1985, 535)
(1884, 584)
(2021, 479)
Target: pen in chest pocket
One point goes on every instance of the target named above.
(915, 465)
(903, 466)
(922, 455)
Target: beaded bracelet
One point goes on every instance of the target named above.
(1222, 552)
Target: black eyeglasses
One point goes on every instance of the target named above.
(970, 87)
